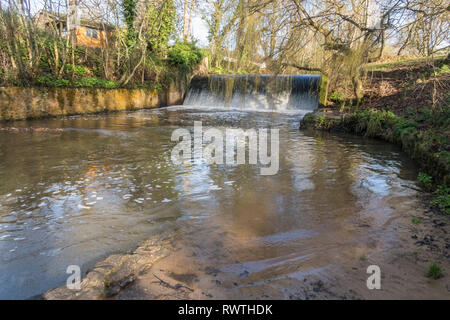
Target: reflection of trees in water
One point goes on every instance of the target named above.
(40, 161)
(314, 184)
(332, 176)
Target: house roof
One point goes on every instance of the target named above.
(84, 22)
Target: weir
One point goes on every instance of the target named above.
(255, 92)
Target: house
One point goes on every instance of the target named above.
(88, 33)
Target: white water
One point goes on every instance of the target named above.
(281, 93)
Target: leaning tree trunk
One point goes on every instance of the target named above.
(358, 91)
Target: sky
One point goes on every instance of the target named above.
(199, 31)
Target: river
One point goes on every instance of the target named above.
(101, 184)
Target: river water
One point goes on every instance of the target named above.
(104, 183)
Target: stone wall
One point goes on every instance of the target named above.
(17, 103)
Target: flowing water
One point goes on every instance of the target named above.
(104, 183)
(282, 93)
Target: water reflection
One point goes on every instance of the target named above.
(106, 182)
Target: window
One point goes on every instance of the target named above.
(91, 33)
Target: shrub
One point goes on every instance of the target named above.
(443, 198)
(78, 71)
(443, 70)
(109, 84)
(49, 80)
(416, 220)
(434, 271)
(217, 70)
(158, 86)
(94, 82)
(336, 97)
(185, 56)
(375, 124)
(88, 82)
(425, 179)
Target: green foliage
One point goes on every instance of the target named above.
(158, 86)
(442, 199)
(78, 71)
(425, 179)
(321, 120)
(422, 115)
(161, 24)
(403, 126)
(336, 97)
(184, 55)
(48, 80)
(375, 123)
(129, 13)
(220, 70)
(442, 70)
(434, 271)
(217, 70)
(40, 56)
(416, 220)
(94, 82)
(372, 121)
(401, 62)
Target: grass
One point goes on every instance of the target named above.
(416, 220)
(404, 61)
(336, 97)
(425, 179)
(434, 271)
(442, 199)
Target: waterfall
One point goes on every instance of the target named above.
(255, 92)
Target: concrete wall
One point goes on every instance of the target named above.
(17, 103)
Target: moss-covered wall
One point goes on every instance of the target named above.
(17, 103)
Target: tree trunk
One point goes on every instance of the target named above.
(357, 85)
(191, 9)
(185, 20)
